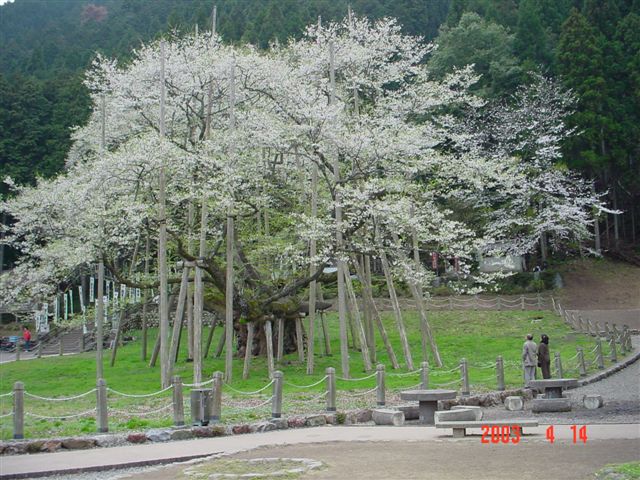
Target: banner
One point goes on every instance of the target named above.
(434, 260)
(56, 309)
(105, 301)
(81, 298)
(42, 321)
(71, 309)
(92, 286)
(456, 264)
(66, 306)
(138, 295)
(123, 291)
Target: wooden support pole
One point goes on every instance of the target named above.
(396, 310)
(145, 301)
(313, 284)
(221, 341)
(342, 308)
(300, 340)
(368, 306)
(248, 351)
(210, 338)
(355, 314)
(177, 321)
(581, 365)
(165, 373)
(268, 334)
(280, 340)
(368, 292)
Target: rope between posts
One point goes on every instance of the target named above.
(197, 385)
(357, 379)
(142, 395)
(572, 358)
(318, 397)
(361, 394)
(594, 349)
(9, 394)
(448, 383)
(60, 399)
(406, 374)
(492, 377)
(435, 372)
(307, 386)
(249, 393)
(141, 414)
(253, 407)
(491, 365)
(6, 415)
(43, 417)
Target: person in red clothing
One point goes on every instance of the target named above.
(26, 336)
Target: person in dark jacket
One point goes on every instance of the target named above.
(544, 359)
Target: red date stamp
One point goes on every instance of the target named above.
(511, 434)
(501, 434)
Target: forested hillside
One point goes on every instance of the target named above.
(593, 45)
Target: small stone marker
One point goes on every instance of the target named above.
(476, 410)
(551, 405)
(387, 417)
(513, 403)
(593, 402)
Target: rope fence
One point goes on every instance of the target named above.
(205, 405)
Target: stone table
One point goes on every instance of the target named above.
(553, 386)
(428, 401)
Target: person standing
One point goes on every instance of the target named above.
(544, 359)
(26, 337)
(529, 359)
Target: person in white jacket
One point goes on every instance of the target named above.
(529, 359)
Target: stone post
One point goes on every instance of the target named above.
(612, 345)
(18, 410)
(331, 389)
(581, 366)
(82, 343)
(102, 414)
(522, 302)
(276, 405)
(60, 346)
(464, 372)
(424, 375)
(499, 303)
(178, 402)
(380, 387)
(558, 361)
(627, 337)
(450, 303)
(39, 349)
(216, 403)
(500, 373)
(17, 350)
(539, 302)
(599, 357)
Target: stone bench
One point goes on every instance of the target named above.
(459, 427)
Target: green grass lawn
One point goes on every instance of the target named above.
(478, 336)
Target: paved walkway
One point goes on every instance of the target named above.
(625, 436)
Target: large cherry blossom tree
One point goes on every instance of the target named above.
(248, 132)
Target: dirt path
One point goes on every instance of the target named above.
(447, 460)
